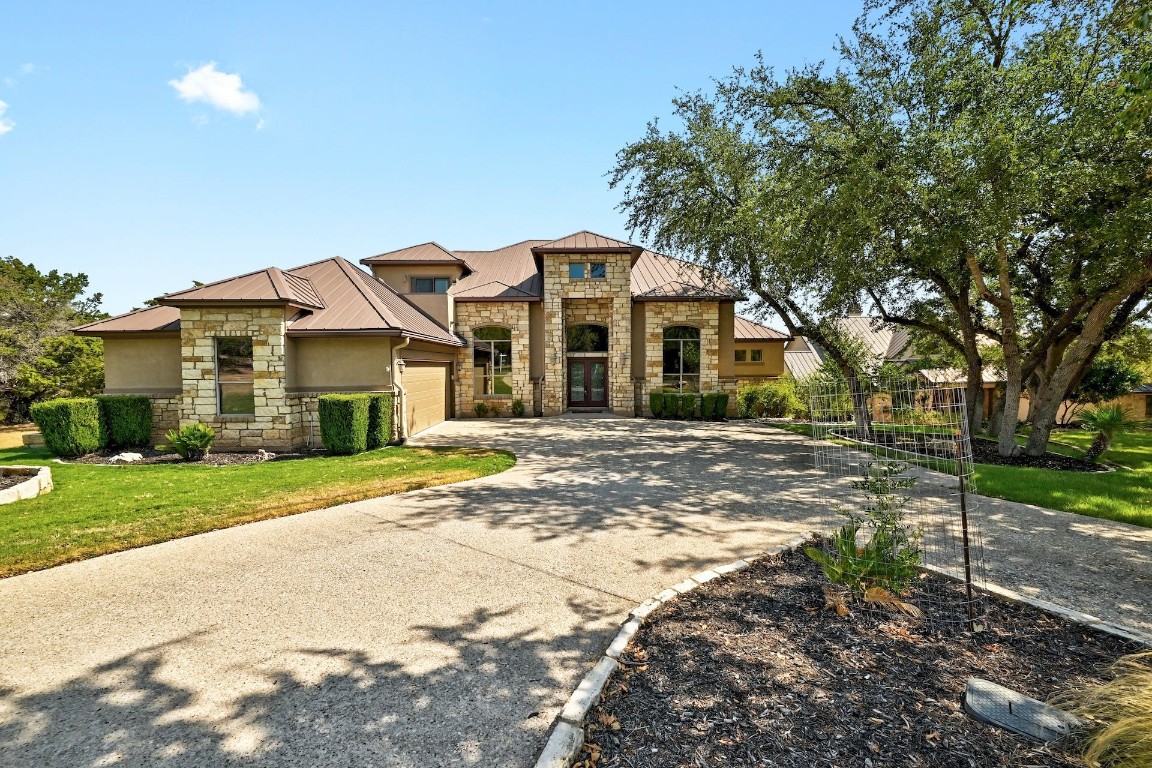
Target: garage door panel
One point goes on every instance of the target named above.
(426, 385)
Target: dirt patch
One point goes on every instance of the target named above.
(754, 670)
(213, 459)
(7, 481)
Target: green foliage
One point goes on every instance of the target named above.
(656, 404)
(721, 408)
(38, 357)
(518, 408)
(379, 419)
(708, 406)
(890, 555)
(1106, 421)
(689, 405)
(344, 423)
(1107, 378)
(481, 409)
(127, 420)
(191, 441)
(70, 426)
(671, 405)
(776, 398)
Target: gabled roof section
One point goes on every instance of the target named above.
(505, 274)
(656, 276)
(804, 363)
(747, 330)
(1143, 389)
(885, 343)
(587, 242)
(164, 320)
(359, 303)
(425, 253)
(267, 286)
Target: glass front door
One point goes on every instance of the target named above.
(587, 382)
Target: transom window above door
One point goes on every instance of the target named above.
(587, 337)
(430, 284)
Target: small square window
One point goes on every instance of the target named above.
(757, 355)
(741, 355)
(598, 271)
(576, 271)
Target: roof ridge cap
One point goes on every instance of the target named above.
(217, 282)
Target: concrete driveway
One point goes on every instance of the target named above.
(439, 627)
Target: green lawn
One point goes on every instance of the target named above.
(95, 510)
(1124, 495)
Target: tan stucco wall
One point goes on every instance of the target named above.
(514, 315)
(536, 338)
(606, 301)
(772, 365)
(141, 365)
(639, 346)
(441, 306)
(727, 330)
(329, 363)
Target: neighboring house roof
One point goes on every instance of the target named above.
(267, 286)
(587, 242)
(747, 330)
(1143, 389)
(150, 320)
(887, 343)
(425, 253)
(936, 376)
(804, 363)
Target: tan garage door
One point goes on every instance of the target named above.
(427, 388)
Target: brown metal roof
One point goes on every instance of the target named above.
(505, 274)
(356, 302)
(884, 342)
(656, 276)
(586, 242)
(150, 320)
(268, 286)
(746, 330)
(425, 253)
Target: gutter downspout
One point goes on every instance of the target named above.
(402, 400)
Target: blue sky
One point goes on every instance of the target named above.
(152, 144)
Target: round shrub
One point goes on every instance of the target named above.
(70, 425)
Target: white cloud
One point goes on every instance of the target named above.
(28, 69)
(220, 89)
(6, 125)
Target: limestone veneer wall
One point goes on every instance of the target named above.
(514, 315)
(271, 426)
(606, 301)
(704, 315)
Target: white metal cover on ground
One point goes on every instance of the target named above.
(427, 387)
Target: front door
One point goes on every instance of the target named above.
(587, 382)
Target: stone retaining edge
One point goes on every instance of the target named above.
(567, 737)
(37, 483)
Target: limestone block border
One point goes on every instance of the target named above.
(567, 737)
(39, 482)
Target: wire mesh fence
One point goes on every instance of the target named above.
(895, 461)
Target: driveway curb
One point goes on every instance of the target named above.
(567, 737)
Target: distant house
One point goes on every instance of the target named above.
(585, 322)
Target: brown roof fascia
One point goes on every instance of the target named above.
(375, 332)
(468, 299)
(134, 334)
(725, 299)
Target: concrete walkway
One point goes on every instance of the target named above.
(440, 627)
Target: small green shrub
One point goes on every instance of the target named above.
(481, 409)
(192, 441)
(656, 404)
(776, 398)
(344, 423)
(671, 405)
(379, 420)
(517, 408)
(70, 425)
(721, 409)
(127, 420)
(689, 404)
(708, 406)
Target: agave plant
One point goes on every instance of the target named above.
(1106, 421)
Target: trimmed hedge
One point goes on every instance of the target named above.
(379, 420)
(127, 420)
(671, 405)
(656, 404)
(344, 423)
(689, 405)
(721, 411)
(70, 425)
(708, 406)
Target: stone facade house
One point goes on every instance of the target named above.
(585, 322)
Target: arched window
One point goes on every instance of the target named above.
(492, 360)
(682, 358)
(587, 338)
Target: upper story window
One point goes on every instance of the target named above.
(682, 358)
(235, 393)
(741, 355)
(576, 271)
(492, 360)
(430, 284)
(757, 355)
(596, 270)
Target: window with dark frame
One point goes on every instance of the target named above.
(598, 270)
(576, 271)
(757, 355)
(1148, 406)
(741, 355)
(235, 391)
(492, 361)
(682, 358)
(430, 284)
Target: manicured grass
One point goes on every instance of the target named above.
(1124, 495)
(95, 510)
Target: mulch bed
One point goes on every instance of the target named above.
(7, 481)
(985, 452)
(213, 459)
(753, 669)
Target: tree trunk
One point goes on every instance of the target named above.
(974, 396)
(1099, 446)
(861, 413)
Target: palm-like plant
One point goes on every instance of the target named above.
(1107, 421)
